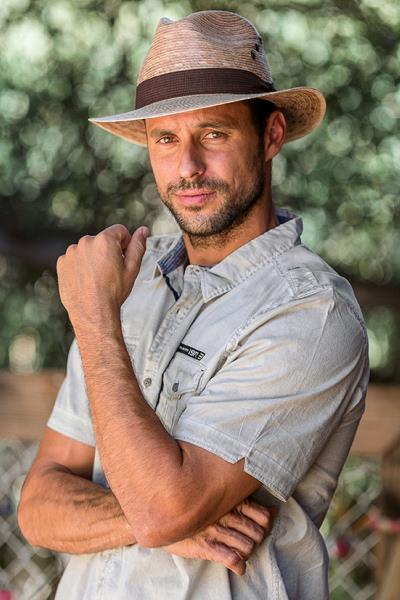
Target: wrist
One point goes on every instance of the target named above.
(98, 326)
(98, 342)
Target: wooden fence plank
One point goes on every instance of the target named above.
(380, 425)
(26, 402)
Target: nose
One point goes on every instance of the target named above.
(191, 162)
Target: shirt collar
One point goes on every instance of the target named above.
(241, 263)
(172, 259)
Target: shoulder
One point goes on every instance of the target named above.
(306, 312)
(306, 274)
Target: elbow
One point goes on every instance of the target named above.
(154, 538)
(24, 520)
(156, 535)
(27, 515)
(161, 528)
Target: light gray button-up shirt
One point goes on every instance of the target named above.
(263, 357)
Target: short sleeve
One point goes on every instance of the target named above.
(283, 391)
(71, 412)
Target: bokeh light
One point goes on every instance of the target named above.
(64, 61)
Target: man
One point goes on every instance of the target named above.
(231, 376)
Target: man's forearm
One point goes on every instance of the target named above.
(135, 449)
(162, 486)
(66, 513)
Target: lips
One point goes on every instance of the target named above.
(191, 197)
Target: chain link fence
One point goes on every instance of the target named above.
(350, 540)
(28, 573)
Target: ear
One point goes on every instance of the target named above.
(274, 134)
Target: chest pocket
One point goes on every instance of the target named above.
(182, 379)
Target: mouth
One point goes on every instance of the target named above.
(195, 197)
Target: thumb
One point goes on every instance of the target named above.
(136, 248)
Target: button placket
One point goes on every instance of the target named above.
(172, 330)
(173, 319)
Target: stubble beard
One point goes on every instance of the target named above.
(218, 228)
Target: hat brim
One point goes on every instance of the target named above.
(303, 107)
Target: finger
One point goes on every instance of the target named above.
(60, 262)
(256, 512)
(221, 553)
(85, 239)
(244, 525)
(136, 248)
(118, 232)
(71, 248)
(235, 539)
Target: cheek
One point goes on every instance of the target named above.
(162, 172)
(225, 166)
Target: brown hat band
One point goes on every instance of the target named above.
(199, 81)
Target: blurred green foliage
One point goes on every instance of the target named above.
(63, 61)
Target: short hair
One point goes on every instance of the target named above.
(260, 110)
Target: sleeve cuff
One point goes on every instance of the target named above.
(72, 426)
(275, 478)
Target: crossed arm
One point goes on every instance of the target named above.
(162, 490)
(63, 510)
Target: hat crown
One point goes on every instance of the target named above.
(207, 59)
(207, 39)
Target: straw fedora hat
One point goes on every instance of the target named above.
(206, 59)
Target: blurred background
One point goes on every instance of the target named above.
(63, 61)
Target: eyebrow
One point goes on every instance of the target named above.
(225, 123)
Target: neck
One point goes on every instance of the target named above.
(210, 250)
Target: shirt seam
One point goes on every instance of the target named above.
(249, 272)
(251, 453)
(235, 440)
(241, 331)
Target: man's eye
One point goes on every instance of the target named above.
(166, 139)
(215, 135)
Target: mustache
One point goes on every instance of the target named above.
(214, 185)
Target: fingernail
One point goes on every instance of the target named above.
(144, 231)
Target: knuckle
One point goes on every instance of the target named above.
(101, 236)
(213, 530)
(247, 541)
(117, 227)
(236, 518)
(258, 534)
(223, 521)
(250, 544)
(71, 248)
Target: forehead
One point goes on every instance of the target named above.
(232, 115)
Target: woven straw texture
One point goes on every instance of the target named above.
(216, 40)
(213, 39)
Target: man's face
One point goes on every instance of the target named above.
(208, 165)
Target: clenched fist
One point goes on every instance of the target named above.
(96, 275)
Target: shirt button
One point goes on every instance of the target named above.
(147, 382)
(175, 387)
